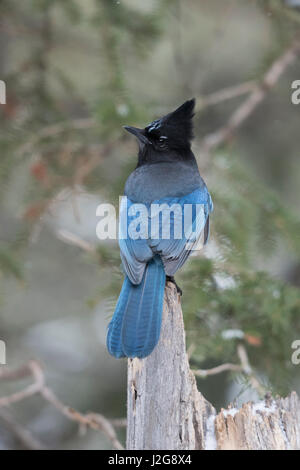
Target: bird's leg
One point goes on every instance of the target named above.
(171, 279)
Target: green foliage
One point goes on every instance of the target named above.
(249, 218)
(266, 310)
(249, 223)
(9, 262)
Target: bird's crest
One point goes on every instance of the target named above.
(177, 125)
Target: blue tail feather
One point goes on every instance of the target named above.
(113, 340)
(135, 327)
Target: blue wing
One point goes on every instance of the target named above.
(171, 227)
(190, 220)
(135, 252)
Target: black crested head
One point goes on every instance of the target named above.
(175, 130)
(172, 132)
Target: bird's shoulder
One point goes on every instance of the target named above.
(155, 181)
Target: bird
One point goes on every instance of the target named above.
(166, 174)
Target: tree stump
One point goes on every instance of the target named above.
(167, 412)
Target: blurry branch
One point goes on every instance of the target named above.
(247, 369)
(33, 369)
(73, 239)
(86, 167)
(216, 97)
(225, 94)
(243, 367)
(119, 422)
(26, 439)
(83, 169)
(259, 93)
(53, 130)
(218, 370)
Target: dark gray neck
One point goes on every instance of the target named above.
(148, 155)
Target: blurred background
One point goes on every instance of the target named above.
(76, 72)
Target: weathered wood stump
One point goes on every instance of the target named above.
(166, 410)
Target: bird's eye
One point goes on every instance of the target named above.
(162, 138)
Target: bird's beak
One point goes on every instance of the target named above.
(138, 133)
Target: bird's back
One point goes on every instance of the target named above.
(155, 181)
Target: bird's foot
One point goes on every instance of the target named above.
(171, 279)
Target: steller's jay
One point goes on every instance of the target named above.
(166, 175)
